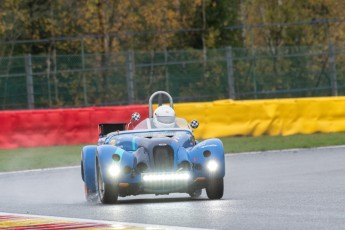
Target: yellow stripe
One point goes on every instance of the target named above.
(17, 221)
(25, 222)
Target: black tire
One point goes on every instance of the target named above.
(82, 170)
(215, 188)
(91, 197)
(195, 193)
(107, 193)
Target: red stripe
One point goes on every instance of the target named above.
(8, 217)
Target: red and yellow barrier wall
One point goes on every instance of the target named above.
(31, 128)
(266, 117)
(217, 119)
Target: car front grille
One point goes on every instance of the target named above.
(163, 156)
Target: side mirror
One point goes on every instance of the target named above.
(135, 117)
(194, 124)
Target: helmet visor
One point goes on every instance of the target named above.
(166, 119)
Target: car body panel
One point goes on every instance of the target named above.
(147, 159)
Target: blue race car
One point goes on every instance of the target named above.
(159, 155)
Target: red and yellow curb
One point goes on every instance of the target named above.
(10, 221)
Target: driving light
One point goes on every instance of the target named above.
(150, 177)
(114, 170)
(212, 166)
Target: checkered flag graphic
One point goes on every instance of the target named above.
(135, 116)
(194, 124)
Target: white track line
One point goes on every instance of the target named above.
(39, 170)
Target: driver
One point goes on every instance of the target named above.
(164, 117)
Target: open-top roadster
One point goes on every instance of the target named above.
(159, 155)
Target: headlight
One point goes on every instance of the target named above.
(212, 166)
(114, 170)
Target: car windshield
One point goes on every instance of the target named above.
(148, 124)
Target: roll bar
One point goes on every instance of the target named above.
(159, 103)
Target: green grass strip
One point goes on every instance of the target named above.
(264, 143)
(36, 158)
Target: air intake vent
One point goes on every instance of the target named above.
(163, 157)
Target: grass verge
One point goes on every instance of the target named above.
(34, 158)
(264, 143)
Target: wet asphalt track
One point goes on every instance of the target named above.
(299, 189)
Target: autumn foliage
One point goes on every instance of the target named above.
(114, 25)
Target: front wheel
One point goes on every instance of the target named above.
(195, 193)
(215, 188)
(90, 195)
(107, 193)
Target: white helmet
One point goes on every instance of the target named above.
(164, 117)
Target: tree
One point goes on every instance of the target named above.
(213, 17)
(291, 22)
